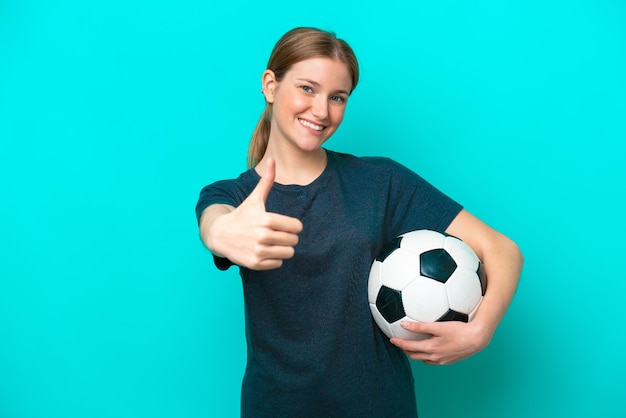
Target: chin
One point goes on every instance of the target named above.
(309, 148)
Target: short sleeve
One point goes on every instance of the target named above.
(227, 192)
(417, 204)
(220, 192)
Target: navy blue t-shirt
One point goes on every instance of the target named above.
(313, 347)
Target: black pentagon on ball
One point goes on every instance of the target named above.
(389, 304)
(437, 264)
(388, 249)
(454, 316)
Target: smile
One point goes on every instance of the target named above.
(311, 125)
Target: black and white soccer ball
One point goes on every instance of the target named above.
(424, 276)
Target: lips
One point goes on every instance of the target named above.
(311, 125)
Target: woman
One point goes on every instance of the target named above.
(304, 223)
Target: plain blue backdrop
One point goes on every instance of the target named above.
(114, 114)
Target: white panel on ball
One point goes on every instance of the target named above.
(461, 253)
(400, 268)
(422, 240)
(473, 313)
(373, 284)
(464, 291)
(425, 300)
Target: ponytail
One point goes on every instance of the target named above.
(260, 137)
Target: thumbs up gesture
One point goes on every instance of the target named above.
(248, 235)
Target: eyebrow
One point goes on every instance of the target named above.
(316, 84)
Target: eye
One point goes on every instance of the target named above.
(338, 99)
(307, 89)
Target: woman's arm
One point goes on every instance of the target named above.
(248, 235)
(207, 233)
(502, 262)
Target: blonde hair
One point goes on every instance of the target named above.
(298, 45)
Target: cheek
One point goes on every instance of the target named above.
(289, 102)
(337, 115)
(299, 103)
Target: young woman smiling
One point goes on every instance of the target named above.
(303, 225)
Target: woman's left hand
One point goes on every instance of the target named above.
(450, 342)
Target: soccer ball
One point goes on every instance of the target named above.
(424, 276)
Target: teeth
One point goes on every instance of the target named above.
(311, 125)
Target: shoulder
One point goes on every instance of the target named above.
(371, 166)
(229, 191)
(245, 181)
(365, 162)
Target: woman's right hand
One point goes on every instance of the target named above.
(248, 235)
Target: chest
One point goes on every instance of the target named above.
(340, 224)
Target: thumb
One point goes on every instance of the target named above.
(263, 187)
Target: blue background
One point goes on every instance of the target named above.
(114, 114)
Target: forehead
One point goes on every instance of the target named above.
(328, 72)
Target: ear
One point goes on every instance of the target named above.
(268, 85)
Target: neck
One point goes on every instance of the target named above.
(296, 168)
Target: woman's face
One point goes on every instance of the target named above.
(308, 103)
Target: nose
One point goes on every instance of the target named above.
(319, 108)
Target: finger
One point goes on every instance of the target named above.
(268, 264)
(413, 354)
(410, 346)
(271, 257)
(263, 187)
(416, 350)
(277, 252)
(279, 238)
(421, 327)
(278, 222)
